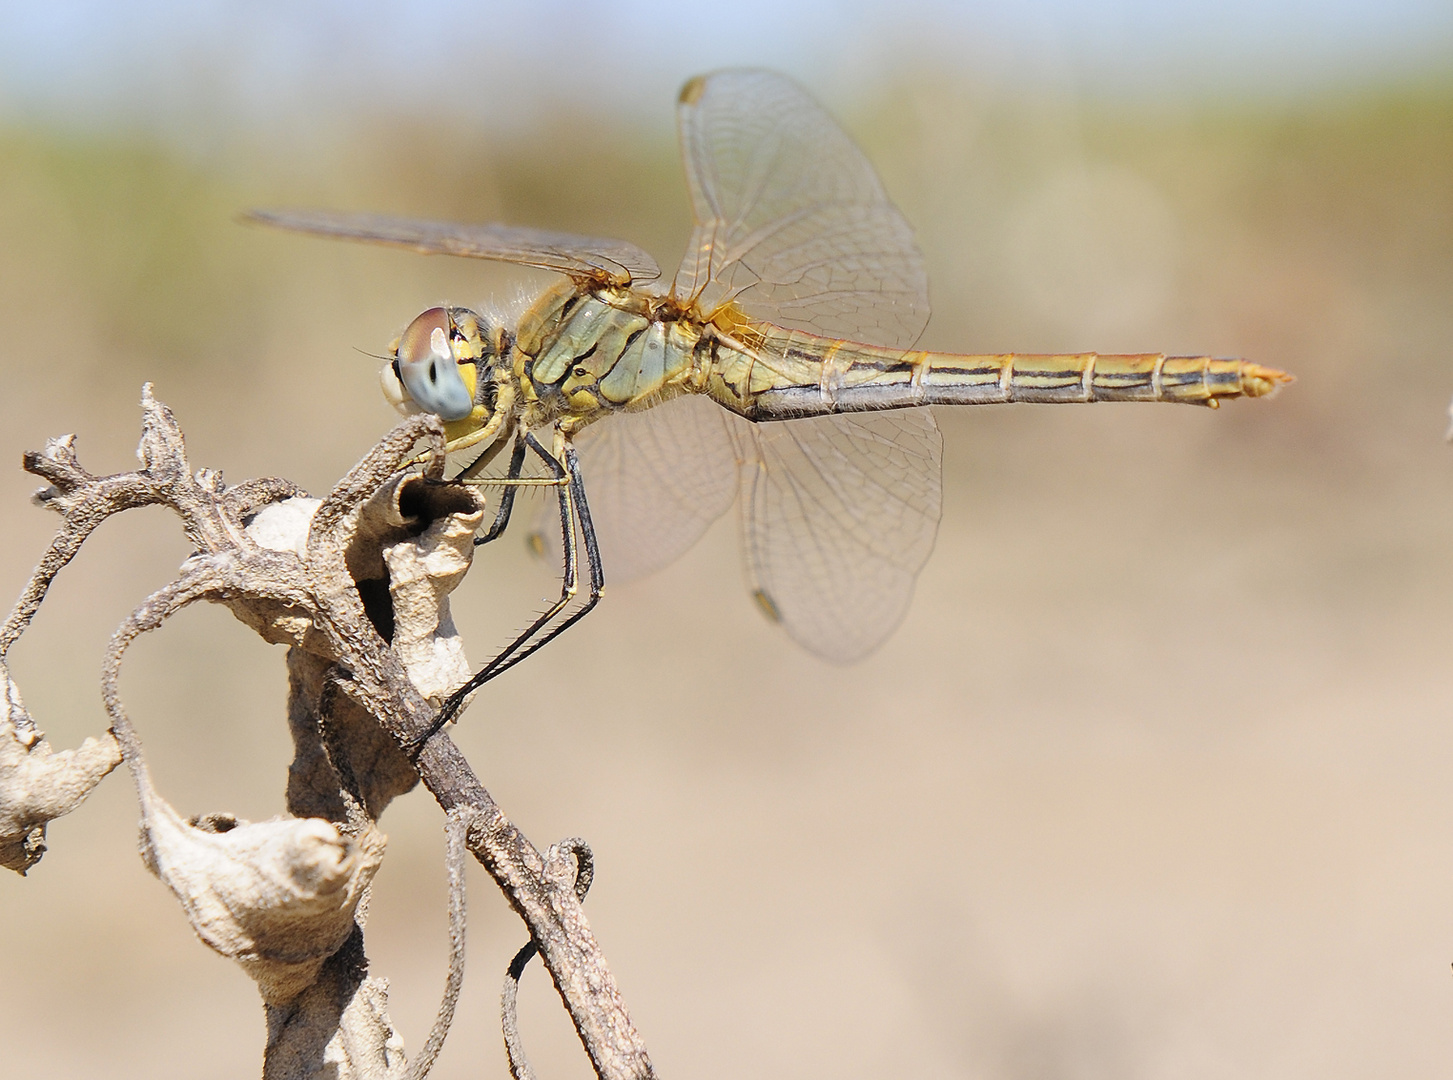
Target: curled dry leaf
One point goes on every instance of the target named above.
(38, 784)
(283, 526)
(276, 896)
(422, 571)
(413, 539)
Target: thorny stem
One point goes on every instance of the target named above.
(230, 568)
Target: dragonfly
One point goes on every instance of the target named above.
(776, 369)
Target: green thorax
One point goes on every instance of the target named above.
(585, 353)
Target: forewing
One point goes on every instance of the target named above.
(791, 219)
(839, 514)
(593, 258)
(655, 480)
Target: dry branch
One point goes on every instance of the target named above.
(357, 585)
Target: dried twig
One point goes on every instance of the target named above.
(454, 863)
(357, 585)
(520, 1067)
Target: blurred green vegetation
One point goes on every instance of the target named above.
(130, 226)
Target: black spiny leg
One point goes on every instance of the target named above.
(507, 500)
(573, 507)
(504, 661)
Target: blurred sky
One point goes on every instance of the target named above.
(173, 63)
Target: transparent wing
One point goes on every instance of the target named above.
(790, 216)
(839, 514)
(655, 481)
(614, 261)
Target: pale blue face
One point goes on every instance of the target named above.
(427, 368)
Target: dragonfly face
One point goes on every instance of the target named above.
(425, 366)
(442, 364)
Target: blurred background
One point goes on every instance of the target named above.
(1152, 782)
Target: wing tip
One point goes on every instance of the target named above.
(692, 90)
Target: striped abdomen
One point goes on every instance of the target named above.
(769, 373)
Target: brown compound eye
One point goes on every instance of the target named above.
(428, 370)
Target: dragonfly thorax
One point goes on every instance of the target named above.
(583, 353)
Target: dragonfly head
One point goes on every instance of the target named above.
(437, 364)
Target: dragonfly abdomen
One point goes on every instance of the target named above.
(857, 378)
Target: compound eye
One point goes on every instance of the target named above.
(393, 389)
(428, 370)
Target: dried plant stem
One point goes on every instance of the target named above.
(520, 1067)
(455, 833)
(348, 689)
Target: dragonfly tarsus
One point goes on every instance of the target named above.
(573, 510)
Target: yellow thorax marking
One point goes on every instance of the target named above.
(732, 322)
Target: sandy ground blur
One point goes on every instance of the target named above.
(1153, 782)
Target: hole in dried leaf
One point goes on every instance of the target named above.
(378, 605)
(426, 501)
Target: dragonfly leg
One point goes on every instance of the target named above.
(573, 509)
(507, 500)
(482, 462)
(592, 559)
